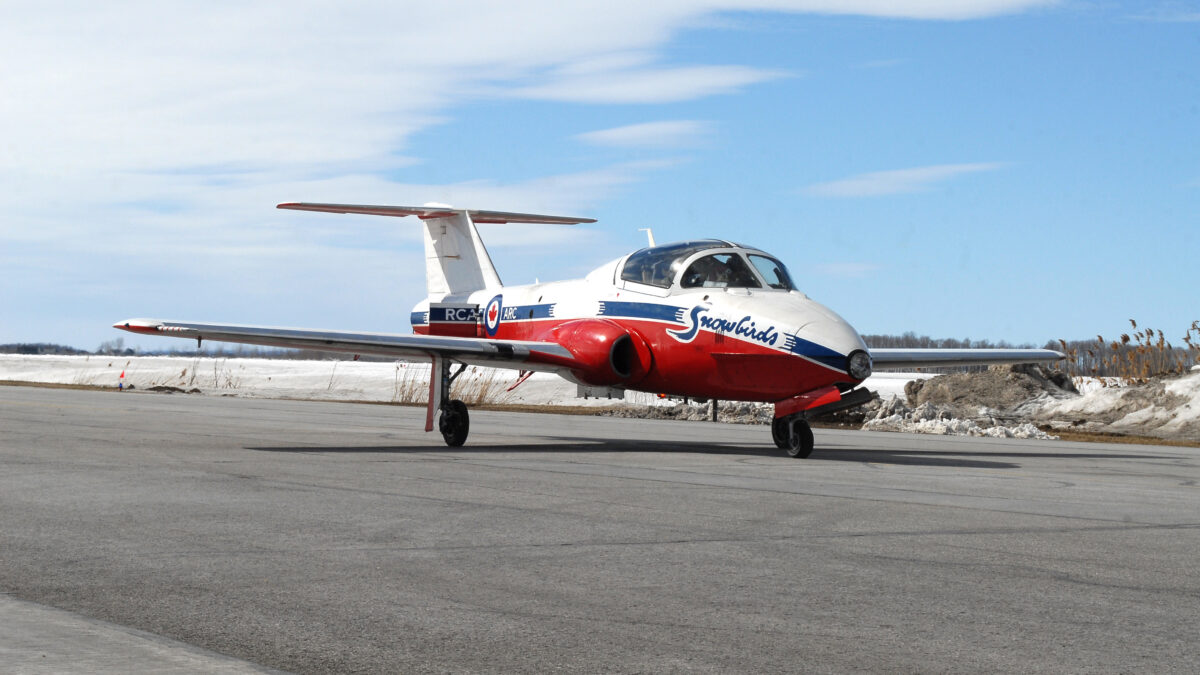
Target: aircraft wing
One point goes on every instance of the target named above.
(498, 353)
(935, 358)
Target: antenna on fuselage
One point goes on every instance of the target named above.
(649, 235)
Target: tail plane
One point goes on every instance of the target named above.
(456, 261)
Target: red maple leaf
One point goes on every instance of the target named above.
(492, 313)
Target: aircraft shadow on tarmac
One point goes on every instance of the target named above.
(566, 446)
(555, 445)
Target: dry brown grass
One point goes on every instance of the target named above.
(1133, 358)
(478, 386)
(475, 387)
(409, 388)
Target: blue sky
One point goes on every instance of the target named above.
(1011, 170)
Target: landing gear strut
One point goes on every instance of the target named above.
(793, 434)
(454, 422)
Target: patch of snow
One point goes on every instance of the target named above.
(928, 418)
(1169, 408)
(891, 385)
(399, 382)
(1085, 385)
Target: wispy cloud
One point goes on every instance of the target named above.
(913, 9)
(646, 85)
(898, 181)
(665, 134)
(1171, 13)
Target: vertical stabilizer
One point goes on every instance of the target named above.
(456, 261)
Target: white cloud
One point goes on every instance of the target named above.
(665, 134)
(648, 85)
(149, 86)
(911, 9)
(899, 181)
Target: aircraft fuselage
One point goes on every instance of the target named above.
(734, 343)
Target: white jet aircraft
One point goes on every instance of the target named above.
(706, 319)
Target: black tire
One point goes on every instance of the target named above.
(800, 440)
(455, 423)
(779, 432)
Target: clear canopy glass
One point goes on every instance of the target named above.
(661, 265)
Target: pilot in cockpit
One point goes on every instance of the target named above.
(720, 270)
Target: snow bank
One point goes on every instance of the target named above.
(891, 385)
(398, 382)
(929, 418)
(1166, 408)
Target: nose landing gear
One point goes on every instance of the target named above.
(793, 435)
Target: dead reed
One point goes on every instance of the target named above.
(1134, 358)
(483, 386)
(476, 386)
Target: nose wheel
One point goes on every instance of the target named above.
(794, 435)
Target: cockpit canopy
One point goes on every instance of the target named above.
(706, 263)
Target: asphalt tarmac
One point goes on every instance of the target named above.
(241, 534)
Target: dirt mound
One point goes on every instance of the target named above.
(1001, 391)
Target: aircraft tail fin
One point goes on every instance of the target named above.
(456, 261)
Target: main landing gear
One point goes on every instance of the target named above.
(454, 422)
(793, 434)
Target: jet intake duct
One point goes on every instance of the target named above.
(606, 353)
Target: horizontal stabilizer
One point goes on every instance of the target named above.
(428, 212)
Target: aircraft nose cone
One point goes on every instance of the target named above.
(837, 335)
(835, 343)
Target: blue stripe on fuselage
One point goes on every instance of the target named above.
(453, 314)
(642, 310)
(527, 312)
(811, 350)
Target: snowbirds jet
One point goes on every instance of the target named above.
(705, 319)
